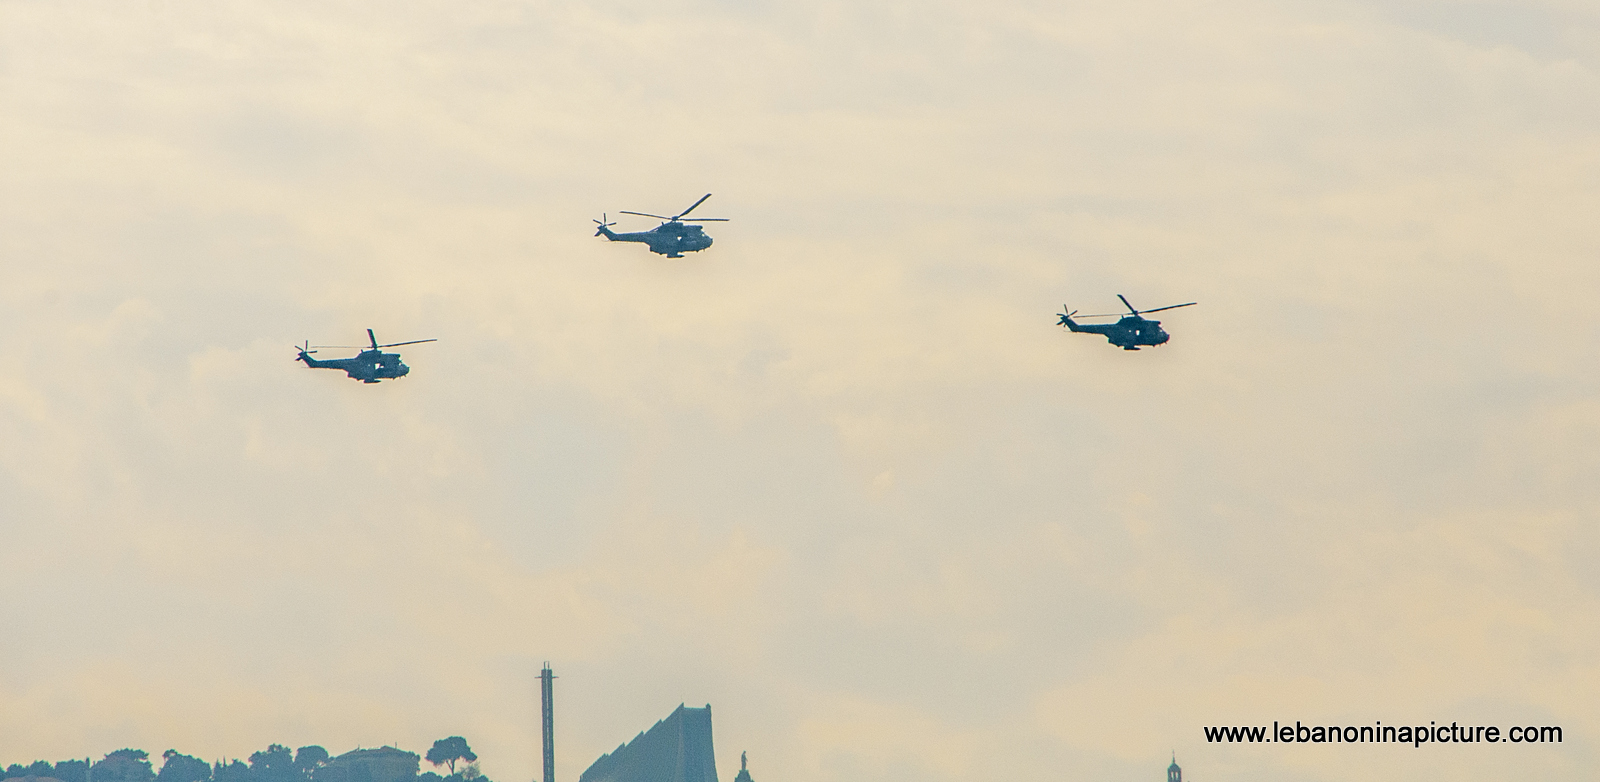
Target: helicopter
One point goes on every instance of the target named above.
(672, 238)
(368, 366)
(1131, 332)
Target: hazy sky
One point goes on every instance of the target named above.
(840, 475)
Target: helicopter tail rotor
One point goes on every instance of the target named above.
(604, 224)
(1066, 315)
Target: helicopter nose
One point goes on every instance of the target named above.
(404, 370)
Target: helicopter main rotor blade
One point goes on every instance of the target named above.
(1173, 307)
(374, 338)
(647, 214)
(412, 342)
(705, 220)
(692, 208)
(1125, 303)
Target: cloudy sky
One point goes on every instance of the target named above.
(840, 475)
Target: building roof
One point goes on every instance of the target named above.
(376, 753)
(676, 749)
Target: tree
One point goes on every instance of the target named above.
(234, 771)
(39, 768)
(178, 767)
(124, 765)
(448, 751)
(274, 764)
(72, 770)
(309, 759)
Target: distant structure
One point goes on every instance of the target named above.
(1174, 774)
(677, 749)
(384, 764)
(744, 770)
(547, 700)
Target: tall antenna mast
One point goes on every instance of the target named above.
(546, 678)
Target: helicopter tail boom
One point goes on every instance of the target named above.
(603, 228)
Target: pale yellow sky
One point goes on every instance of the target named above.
(840, 475)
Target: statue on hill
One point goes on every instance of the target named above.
(744, 770)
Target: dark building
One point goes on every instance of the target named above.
(677, 749)
(1174, 774)
(384, 764)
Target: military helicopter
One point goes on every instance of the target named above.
(1131, 332)
(368, 366)
(672, 238)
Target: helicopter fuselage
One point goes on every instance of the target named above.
(1130, 333)
(369, 366)
(671, 239)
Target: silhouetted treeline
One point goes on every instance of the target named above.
(276, 763)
